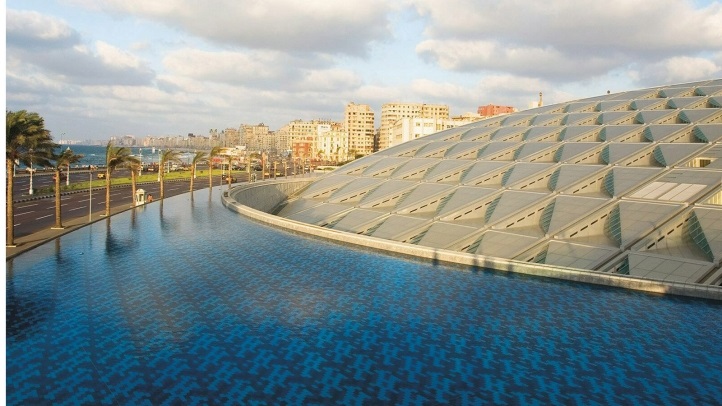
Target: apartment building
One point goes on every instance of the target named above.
(392, 112)
(333, 143)
(302, 137)
(258, 137)
(231, 137)
(359, 125)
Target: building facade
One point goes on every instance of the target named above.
(491, 110)
(392, 112)
(359, 125)
(333, 144)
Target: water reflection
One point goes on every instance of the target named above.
(185, 302)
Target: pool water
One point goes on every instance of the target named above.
(187, 303)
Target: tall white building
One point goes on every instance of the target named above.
(392, 112)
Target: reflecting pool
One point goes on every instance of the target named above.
(185, 302)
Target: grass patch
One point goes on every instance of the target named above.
(144, 178)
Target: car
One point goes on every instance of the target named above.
(30, 170)
(101, 175)
(233, 179)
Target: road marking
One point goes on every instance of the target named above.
(49, 215)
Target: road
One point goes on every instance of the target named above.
(34, 213)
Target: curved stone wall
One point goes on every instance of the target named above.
(257, 200)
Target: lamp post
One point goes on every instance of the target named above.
(230, 178)
(90, 194)
(67, 176)
(30, 192)
(159, 166)
(140, 157)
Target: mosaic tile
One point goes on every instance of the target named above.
(194, 305)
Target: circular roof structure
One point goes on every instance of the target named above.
(627, 183)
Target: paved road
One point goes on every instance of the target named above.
(35, 213)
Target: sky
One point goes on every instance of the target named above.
(100, 68)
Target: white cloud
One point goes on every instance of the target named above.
(443, 92)
(679, 69)
(226, 66)
(116, 58)
(178, 66)
(345, 27)
(51, 47)
(328, 80)
(489, 56)
(563, 40)
(30, 29)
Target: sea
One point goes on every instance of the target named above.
(95, 154)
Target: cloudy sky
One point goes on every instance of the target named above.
(99, 68)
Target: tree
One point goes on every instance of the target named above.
(62, 160)
(168, 155)
(198, 157)
(215, 151)
(134, 164)
(26, 140)
(114, 157)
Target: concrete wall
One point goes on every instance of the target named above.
(257, 200)
(265, 196)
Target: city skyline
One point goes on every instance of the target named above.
(95, 70)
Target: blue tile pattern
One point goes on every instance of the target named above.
(186, 303)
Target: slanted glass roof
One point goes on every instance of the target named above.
(627, 183)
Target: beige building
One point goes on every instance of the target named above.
(359, 125)
(305, 137)
(258, 137)
(392, 112)
(332, 144)
(231, 137)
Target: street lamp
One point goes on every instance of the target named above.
(140, 157)
(159, 168)
(90, 194)
(67, 176)
(30, 192)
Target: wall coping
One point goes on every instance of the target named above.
(454, 257)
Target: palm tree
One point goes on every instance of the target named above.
(26, 139)
(62, 160)
(199, 156)
(215, 151)
(114, 157)
(134, 165)
(168, 155)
